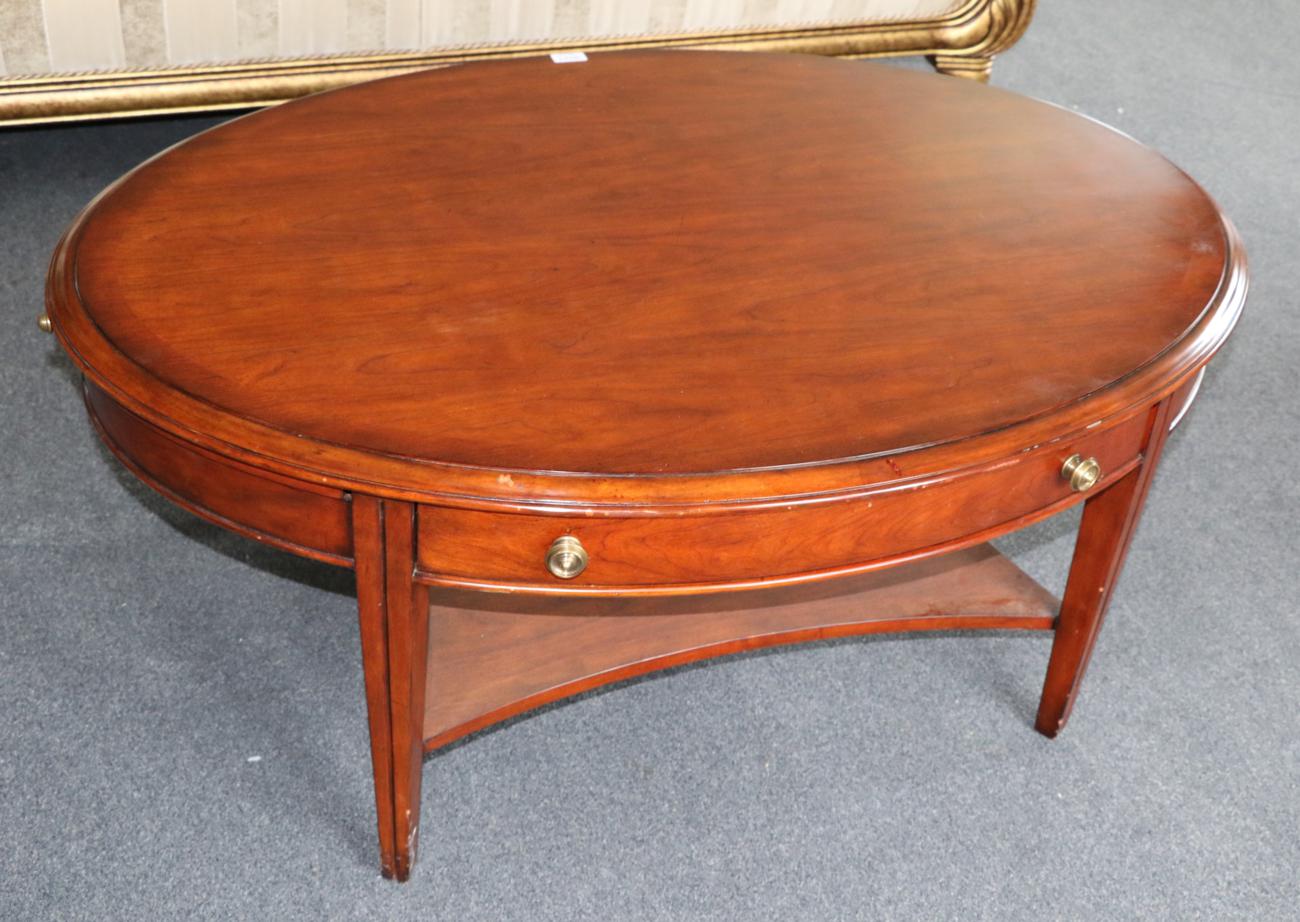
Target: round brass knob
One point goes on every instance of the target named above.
(566, 557)
(44, 323)
(1083, 473)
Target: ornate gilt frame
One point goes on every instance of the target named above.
(962, 43)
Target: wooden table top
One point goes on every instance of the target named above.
(661, 274)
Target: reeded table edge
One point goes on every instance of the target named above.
(451, 484)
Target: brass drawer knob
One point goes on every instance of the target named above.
(566, 557)
(44, 323)
(1083, 473)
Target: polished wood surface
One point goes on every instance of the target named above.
(657, 264)
(720, 547)
(307, 519)
(394, 620)
(726, 322)
(372, 611)
(493, 656)
(1109, 521)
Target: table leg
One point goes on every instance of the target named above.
(394, 618)
(974, 66)
(1109, 520)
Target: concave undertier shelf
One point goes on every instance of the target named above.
(493, 656)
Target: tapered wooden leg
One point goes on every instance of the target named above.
(368, 547)
(394, 618)
(1109, 520)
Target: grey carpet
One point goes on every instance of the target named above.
(181, 729)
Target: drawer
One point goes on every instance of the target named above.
(307, 519)
(695, 551)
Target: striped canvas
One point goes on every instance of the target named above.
(69, 36)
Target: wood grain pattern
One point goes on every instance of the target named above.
(722, 547)
(493, 656)
(407, 612)
(737, 322)
(558, 330)
(1109, 521)
(394, 617)
(309, 520)
(372, 613)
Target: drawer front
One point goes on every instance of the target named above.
(306, 519)
(668, 552)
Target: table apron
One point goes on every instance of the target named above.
(719, 550)
(307, 519)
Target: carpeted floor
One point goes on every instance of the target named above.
(181, 728)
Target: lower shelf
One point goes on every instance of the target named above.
(494, 656)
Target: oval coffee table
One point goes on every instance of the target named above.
(534, 346)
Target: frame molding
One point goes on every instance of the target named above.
(962, 43)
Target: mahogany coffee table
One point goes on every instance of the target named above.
(561, 357)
